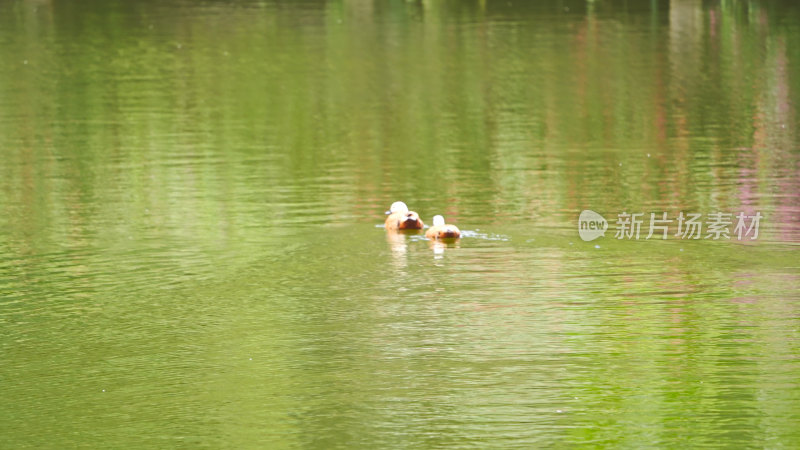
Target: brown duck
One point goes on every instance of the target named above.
(400, 218)
(441, 230)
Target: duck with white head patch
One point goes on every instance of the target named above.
(440, 230)
(400, 218)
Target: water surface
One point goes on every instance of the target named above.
(192, 192)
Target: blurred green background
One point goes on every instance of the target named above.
(192, 194)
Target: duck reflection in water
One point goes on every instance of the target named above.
(398, 244)
(439, 247)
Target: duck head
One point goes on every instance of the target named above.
(397, 207)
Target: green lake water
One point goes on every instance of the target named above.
(192, 196)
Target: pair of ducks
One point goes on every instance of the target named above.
(400, 218)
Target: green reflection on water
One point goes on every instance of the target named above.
(190, 193)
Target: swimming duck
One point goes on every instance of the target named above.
(441, 230)
(400, 218)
